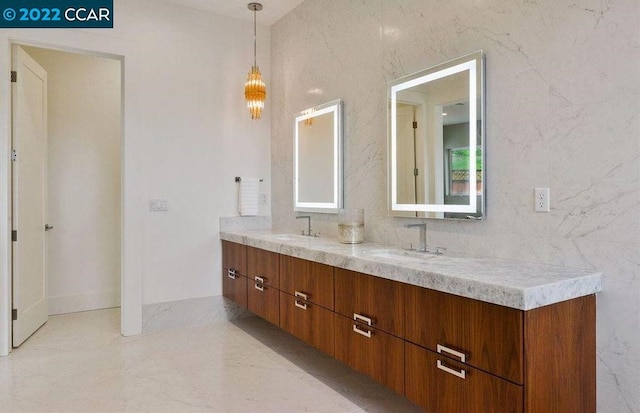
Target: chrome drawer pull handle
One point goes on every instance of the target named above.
(231, 273)
(357, 317)
(259, 279)
(362, 332)
(300, 295)
(462, 374)
(300, 304)
(442, 349)
(259, 287)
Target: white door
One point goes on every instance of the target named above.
(406, 158)
(29, 117)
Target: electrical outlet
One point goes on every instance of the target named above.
(158, 205)
(542, 202)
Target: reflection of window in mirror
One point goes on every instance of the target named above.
(456, 154)
(457, 171)
(457, 177)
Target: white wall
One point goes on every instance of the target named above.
(187, 133)
(84, 110)
(563, 111)
(198, 136)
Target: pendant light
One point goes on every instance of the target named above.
(254, 88)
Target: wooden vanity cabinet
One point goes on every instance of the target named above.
(560, 357)
(368, 298)
(308, 280)
(547, 352)
(307, 301)
(263, 274)
(264, 301)
(234, 257)
(265, 265)
(442, 385)
(369, 322)
(373, 352)
(480, 334)
(234, 270)
(447, 353)
(308, 321)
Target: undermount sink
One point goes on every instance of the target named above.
(288, 237)
(398, 255)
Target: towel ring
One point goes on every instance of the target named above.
(238, 179)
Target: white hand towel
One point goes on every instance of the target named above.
(248, 197)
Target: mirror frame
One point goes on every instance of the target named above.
(334, 107)
(475, 64)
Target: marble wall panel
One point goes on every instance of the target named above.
(563, 111)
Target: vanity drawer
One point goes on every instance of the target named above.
(370, 298)
(307, 321)
(439, 384)
(234, 257)
(264, 301)
(370, 351)
(265, 265)
(487, 336)
(234, 287)
(312, 281)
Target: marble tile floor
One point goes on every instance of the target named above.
(80, 363)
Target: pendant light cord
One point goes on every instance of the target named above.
(254, 37)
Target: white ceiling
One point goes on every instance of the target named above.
(272, 10)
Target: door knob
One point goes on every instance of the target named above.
(48, 227)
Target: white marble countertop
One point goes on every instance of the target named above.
(515, 284)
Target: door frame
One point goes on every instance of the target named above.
(131, 203)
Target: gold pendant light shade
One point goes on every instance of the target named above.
(255, 92)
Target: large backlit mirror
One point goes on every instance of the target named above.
(317, 160)
(436, 141)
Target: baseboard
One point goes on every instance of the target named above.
(83, 302)
(194, 311)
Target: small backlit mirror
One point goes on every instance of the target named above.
(317, 160)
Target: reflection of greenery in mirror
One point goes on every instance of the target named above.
(457, 182)
(430, 139)
(318, 158)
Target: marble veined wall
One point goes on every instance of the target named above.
(563, 111)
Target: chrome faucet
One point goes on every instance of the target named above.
(308, 217)
(422, 247)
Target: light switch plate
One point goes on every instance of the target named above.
(541, 199)
(158, 205)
